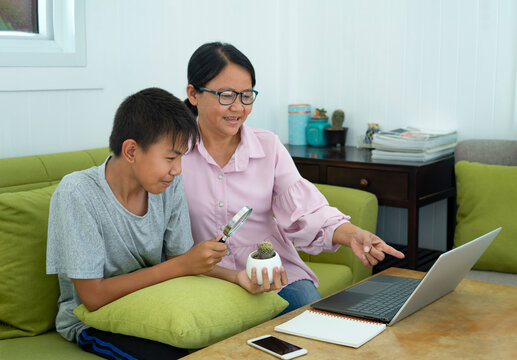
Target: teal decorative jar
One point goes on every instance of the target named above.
(315, 131)
(299, 116)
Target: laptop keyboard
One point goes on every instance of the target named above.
(385, 302)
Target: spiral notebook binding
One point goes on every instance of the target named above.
(344, 317)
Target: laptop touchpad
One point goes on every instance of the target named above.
(369, 287)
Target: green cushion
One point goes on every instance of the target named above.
(487, 199)
(28, 297)
(332, 277)
(188, 312)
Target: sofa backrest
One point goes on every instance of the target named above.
(37, 171)
(494, 152)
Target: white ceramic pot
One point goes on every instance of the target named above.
(259, 264)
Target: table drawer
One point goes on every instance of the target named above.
(386, 185)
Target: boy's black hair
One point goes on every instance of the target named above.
(150, 114)
(209, 60)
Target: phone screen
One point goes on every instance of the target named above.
(277, 345)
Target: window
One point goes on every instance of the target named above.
(42, 33)
(19, 17)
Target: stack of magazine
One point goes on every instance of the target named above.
(413, 144)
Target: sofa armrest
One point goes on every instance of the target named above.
(362, 207)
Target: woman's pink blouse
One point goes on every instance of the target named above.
(288, 210)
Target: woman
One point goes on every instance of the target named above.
(233, 165)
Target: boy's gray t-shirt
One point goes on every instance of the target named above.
(91, 235)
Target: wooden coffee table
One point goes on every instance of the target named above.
(478, 320)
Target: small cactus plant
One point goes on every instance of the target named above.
(265, 250)
(338, 117)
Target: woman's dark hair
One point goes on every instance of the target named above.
(209, 60)
(150, 114)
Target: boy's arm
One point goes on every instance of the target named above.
(200, 259)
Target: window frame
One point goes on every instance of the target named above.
(61, 43)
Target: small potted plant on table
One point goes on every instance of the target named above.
(336, 135)
(264, 257)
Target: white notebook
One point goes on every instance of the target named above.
(333, 328)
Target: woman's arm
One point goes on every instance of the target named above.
(304, 214)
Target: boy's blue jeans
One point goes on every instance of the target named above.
(298, 294)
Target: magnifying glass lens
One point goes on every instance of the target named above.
(236, 222)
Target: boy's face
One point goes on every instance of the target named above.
(156, 167)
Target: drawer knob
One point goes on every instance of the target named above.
(363, 183)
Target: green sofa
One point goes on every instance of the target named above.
(486, 184)
(29, 296)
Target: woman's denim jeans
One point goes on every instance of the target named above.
(298, 294)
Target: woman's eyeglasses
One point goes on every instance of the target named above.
(228, 97)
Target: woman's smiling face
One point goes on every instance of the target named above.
(224, 120)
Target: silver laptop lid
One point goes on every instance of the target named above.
(445, 274)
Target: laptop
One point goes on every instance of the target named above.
(389, 299)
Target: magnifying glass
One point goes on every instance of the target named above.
(235, 223)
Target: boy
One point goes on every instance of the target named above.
(108, 221)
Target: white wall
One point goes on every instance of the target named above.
(448, 63)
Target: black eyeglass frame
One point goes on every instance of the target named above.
(218, 93)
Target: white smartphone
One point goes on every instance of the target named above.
(277, 347)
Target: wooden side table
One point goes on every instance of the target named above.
(402, 184)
